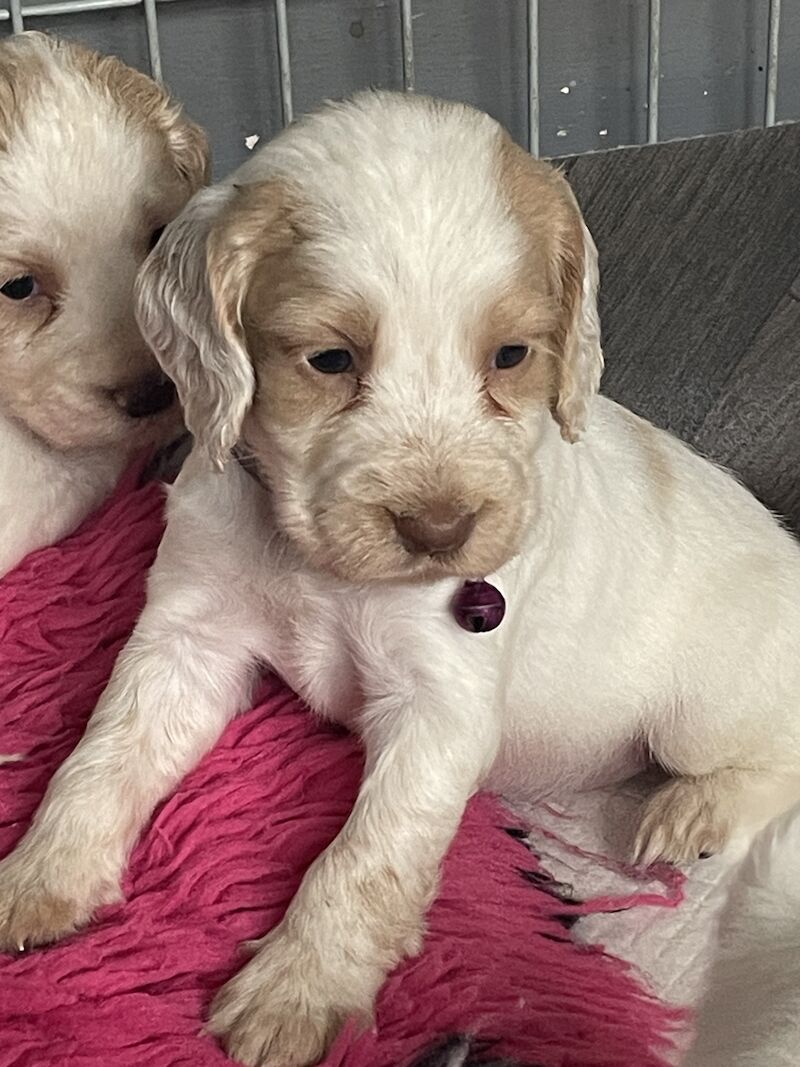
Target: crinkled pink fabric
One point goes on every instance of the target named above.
(223, 856)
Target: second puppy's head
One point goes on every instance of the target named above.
(95, 160)
(389, 308)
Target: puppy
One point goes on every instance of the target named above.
(389, 315)
(95, 159)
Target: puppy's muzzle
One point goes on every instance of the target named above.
(148, 396)
(439, 529)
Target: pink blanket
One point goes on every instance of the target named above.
(223, 856)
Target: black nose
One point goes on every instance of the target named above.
(149, 396)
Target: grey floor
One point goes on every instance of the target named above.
(700, 259)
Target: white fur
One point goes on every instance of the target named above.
(653, 609)
(751, 1015)
(44, 493)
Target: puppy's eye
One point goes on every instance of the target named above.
(20, 288)
(332, 361)
(509, 356)
(155, 236)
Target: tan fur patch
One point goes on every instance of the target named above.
(22, 66)
(381, 893)
(520, 317)
(24, 63)
(265, 296)
(145, 103)
(545, 208)
(288, 320)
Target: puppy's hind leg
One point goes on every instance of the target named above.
(691, 817)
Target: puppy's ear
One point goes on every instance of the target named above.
(560, 246)
(580, 365)
(189, 146)
(190, 295)
(145, 104)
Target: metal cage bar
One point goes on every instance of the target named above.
(69, 7)
(153, 44)
(17, 12)
(534, 104)
(17, 22)
(284, 61)
(773, 44)
(407, 44)
(653, 69)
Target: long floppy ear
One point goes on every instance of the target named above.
(581, 364)
(190, 295)
(546, 209)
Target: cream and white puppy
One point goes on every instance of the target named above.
(390, 312)
(95, 159)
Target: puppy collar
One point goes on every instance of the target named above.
(248, 464)
(478, 606)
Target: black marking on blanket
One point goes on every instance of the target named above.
(517, 832)
(558, 890)
(562, 891)
(458, 1050)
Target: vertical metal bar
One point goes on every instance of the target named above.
(17, 25)
(534, 114)
(774, 35)
(284, 62)
(653, 69)
(407, 32)
(153, 45)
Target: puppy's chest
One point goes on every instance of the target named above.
(309, 649)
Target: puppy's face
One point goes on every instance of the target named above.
(413, 326)
(94, 162)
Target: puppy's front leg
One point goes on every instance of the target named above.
(44, 495)
(361, 906)
(183, 674)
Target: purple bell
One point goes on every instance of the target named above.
(478, 607)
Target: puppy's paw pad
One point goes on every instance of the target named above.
(682, 822)
(34, 910)
(37, 918)
(259, 1029)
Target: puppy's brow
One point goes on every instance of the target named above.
(523, 314)
(309, 318)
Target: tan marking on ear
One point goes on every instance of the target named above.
(23, 64)
(555, 265)
(146, 104)
(256, 228)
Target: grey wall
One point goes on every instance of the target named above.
(220, 58)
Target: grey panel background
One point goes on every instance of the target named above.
(220, 57)
(699, 245)
(699, 239)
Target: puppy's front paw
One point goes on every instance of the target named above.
(35, 912)
(282, 1010)
(683, 821)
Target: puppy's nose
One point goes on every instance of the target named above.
(148, 396)
(438, 529)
